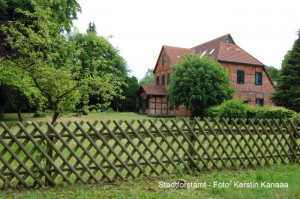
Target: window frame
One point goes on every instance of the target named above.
(238, 77)
(168, 78)
(164, 59)
(157, 80)
(228, 40)
(257, 82)
(257, 100)
(163, 79)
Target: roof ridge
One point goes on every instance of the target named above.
(175, 47)
(212, 40)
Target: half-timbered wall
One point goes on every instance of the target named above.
(163, 69)
(249, 91)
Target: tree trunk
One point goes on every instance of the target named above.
(50, 149)
(2, 101)
(20, 115)
(1, 111)
(55, 116)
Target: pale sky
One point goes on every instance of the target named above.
(265, 29)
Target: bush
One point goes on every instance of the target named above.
(39, 113)
(234, 108)
(257, 111)
(270, 113)
(296, 116)
(278, 113)
(211, 112)
(109, 110)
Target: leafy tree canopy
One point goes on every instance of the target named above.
(63, 11)
(92, 28)
(273, 72)
(148, 78)
(129, 103)
(97, 52)
(199, 83)
(50, 64)
(288, 87)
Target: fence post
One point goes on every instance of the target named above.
(190, 149)
(49, 151)
(294, 141)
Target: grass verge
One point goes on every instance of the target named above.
(150, 187)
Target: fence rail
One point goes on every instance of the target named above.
(41, 154)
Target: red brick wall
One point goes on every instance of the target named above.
(163, 69)
(249, 91)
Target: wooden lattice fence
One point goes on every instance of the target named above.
(40, 154)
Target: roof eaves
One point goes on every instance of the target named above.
(250, 55)
(222, 60)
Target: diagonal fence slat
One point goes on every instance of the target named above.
(44, 154)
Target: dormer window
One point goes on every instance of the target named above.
(228, 40)
(203, 53)
(164, 59)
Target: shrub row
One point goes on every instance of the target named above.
(236, 108)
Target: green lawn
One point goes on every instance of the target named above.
(149, 187)
(13, 117)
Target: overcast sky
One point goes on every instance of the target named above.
(265, 29)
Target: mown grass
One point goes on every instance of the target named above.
(13, 117)
(149, 187)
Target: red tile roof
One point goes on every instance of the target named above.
(216, 48)
(233, 53)
(210, 45)
(229, 52)
(154, 89)
(175, 53)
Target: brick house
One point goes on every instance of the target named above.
(248, 76)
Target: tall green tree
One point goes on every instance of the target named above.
(273, 72)
(63, 11)
(199, 83)
(15, 11)
(98, 52)
(288, 88)
(92, 28)
(50, 64)
(148, 78)
(129, 103)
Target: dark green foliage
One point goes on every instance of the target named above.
(259, 112)
(199, 83)
(288, 88)
(212, 112)
(98, 52)
(92, 28)
(39, 113)
(62, 11)
(109, 110)
(234, 108)
(297, 116)
(130, 94)
(148, 78)
(273, 72)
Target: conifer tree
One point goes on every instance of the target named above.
(288, 87)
